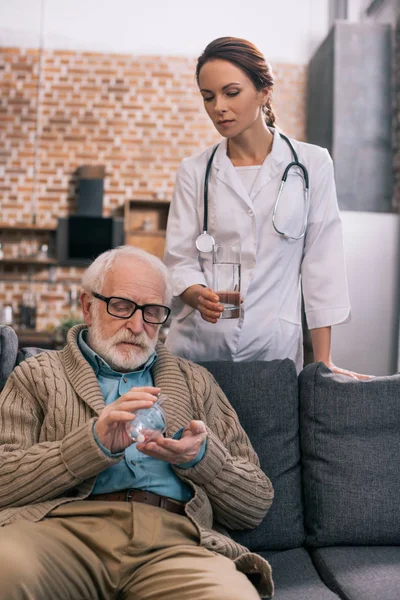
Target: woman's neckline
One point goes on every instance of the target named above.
(247, 167)
(246, 161)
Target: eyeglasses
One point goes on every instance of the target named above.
(155, 314)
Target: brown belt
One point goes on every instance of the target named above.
(143, 496)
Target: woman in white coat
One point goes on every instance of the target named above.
(236, 83)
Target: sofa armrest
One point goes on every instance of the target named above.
(8, 352)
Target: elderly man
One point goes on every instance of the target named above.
(89, 514)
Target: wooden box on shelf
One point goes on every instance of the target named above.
(145, 224)
(151, 242)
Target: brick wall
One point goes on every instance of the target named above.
(137, 115)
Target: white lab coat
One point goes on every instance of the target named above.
(273, 266)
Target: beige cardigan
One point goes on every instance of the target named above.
(48, 455)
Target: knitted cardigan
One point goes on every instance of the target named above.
(48, 455)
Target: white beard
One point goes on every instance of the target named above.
(127, 359)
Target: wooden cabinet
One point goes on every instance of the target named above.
(145, 224)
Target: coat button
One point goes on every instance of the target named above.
(250, 213)
(124, 380)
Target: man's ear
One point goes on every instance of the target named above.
(86, 304)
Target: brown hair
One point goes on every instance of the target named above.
(248, 58)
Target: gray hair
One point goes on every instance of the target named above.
(93, 277)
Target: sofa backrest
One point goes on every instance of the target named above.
(265, 396)
(10, 356)
(350, 436)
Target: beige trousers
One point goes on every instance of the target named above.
(89, 550)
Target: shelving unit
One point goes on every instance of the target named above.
(23, 265)
(23, 234)
(145, 223)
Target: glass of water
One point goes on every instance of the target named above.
(226, 278)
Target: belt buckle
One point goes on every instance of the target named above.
(128, 496)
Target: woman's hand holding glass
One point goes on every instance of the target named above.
(205, 300)
(209, 305)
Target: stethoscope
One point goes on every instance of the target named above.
(205, 241)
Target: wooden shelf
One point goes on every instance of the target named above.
(26, 227)
(150, 234)
(150, 203)
(29, 261)
(26, 277)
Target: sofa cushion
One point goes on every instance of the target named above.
(361, 573)
(351, 455)
(8, 352)
(295, 577)
(265, 396)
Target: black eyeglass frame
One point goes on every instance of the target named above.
(136, 307)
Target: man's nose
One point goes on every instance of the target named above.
(135, 323)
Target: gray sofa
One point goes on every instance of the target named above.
(331, 446)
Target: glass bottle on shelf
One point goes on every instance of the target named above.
(28, 310)
(6, 315)
(43, 253)
(147, 224)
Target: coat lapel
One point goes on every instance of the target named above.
(80, 373)
(168, 376)
(272, 165)
(227, 174)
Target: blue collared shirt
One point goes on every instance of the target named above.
(135, 470)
